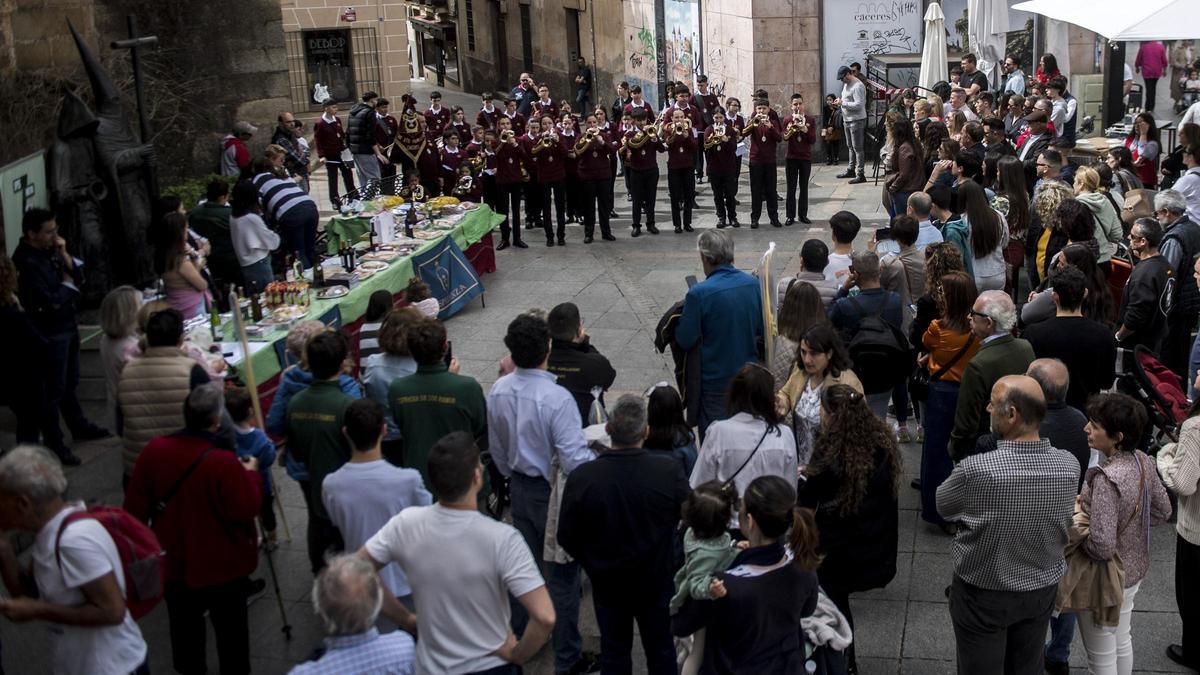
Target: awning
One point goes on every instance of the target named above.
(441, 30)
(1121, 20)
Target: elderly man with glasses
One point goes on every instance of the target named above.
(992, 319)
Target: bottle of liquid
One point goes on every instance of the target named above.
(288, 273)
(214, 321)
(256, 312)
(318, 275)
(410, 219)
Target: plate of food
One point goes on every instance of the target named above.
(284, 314)
(362, 273)
(372, 265)
(426, 234)
(381, 256)
(333, 292)
(469, 206)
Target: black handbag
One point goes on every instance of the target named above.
(918, 385)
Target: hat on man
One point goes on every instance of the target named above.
(1037, 116)
(842, 72)
(245, 128)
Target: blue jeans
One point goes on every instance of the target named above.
(62, 378)
(1062, 631)
(530, 504)
(258, 275)
(299, 226)
(899, 205)
(712, 407)
(935, 455)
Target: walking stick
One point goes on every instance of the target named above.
(287, 627)
(248, 374)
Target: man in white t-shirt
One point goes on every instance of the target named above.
(364, 494)
(83, 598)
(844, 226)
(462, 566)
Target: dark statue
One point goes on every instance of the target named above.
(103, 178)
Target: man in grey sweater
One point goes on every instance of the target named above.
(854, 119)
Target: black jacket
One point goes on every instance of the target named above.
(1085, 346)
(618, 519)
(360, 130)
(50, 303)
(1146, 302)
(1063, 427)
(860, 548)
(580, 367)
(755, 628)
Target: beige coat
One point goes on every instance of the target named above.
(151, 393)
(799, 380)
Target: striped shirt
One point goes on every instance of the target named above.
(279, 195)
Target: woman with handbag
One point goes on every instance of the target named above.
(1122, 498)
(821, 362)
(852, 486)
(950, 345)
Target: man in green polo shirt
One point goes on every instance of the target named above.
(435, 400)
(314, 436)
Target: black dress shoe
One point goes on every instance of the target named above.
(848, 173)
(628, 198)
(1175, 653)
(550, 243)
(502, 245)
(754, 224)
(520, 244)
(637, 232)
(789, 222)
(699, 178)
(608, 237)
(1056, 667)
(678, 229)
(688, 228)
(562, 241)
(695, 204)
(735, 223)
(587, 239)
(720, 225)
(915, 484)
(805, 220)
(613, 216)
(776, 223)
(651, 228)
(858, 180)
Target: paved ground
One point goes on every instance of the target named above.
(622, 288)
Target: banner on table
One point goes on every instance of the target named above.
(451, 279)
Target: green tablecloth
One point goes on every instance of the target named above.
(469, 230)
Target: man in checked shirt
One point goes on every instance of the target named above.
(1013, 507)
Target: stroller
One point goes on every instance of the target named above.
(1146, 379)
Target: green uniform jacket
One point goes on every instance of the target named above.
(431, 403)
(1003, 356)
(314, 434)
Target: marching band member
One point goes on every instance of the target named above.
(549, 159)
(704, 100)
(544, 105)
(568, 131)
(800, 132)
(641, 148)
(720, 144)
(386, 128)
(458, 122)
(467, 188)
(636, 102)
(533, 204)
(764, 139)
(488, 115)
(609, 130)
(510, 177)
(437, 118)
(681, 166)
(594, 151)
(452, 157)
(515, 118)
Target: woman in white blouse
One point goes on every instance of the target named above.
(252, 240)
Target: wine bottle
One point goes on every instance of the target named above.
(256, 312)
(214, 319)
(410, 219)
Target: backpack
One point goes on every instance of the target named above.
(879, 350)
(142, 558)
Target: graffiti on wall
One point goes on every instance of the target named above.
(682, 43)
(641, 61)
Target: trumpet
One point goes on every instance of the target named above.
(545, 141)
(681, 127)
(716, 138)
(653, 130)
(506, 136)
(585, 141)
(797, 125)
(760, 120)
(591, 133)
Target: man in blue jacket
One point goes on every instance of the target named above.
(723, 314)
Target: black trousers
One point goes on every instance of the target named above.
(1000, 631)
(724, 187)
(533, 202)
(487, 185)
(62, 379)
(387, 176)
(226, 607)
(762, 188)
(700, 158)
(798, 171)
(508, 203)
(545, 192)
(616, 637)
(643, 187)
(840, 597)
(333, 168)
(1151, 93)
(598, 199)
(681, 185)
(1187, 595)
(1177, 349)
(322, 535)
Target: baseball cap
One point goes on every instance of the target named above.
(842, 72)
(1037, 116)
(245, 128)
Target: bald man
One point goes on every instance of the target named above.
(1013, 508)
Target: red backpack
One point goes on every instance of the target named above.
(142, 557)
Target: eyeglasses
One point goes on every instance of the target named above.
(981, 315)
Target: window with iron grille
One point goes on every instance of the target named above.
(345, 62)
(470, 25)
(526, 39)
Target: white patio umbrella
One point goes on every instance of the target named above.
(1122, 20)
(987, 31)
(933, 52)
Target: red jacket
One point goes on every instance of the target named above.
(799, 146)
(681, 151)
(722, 159)
(509, 160)
(691, 112)
(596, 161)
(645, 157)
(763, 142)
(540, 108)
(450, 163)
(329, 138)
(551, 162)
(518, 123)
(436, 122)
(464, 132)
(627, 113)
(705, 102)
(487, 120)
(207, 528)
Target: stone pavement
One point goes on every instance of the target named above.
(622, 288)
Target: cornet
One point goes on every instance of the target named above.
(506, 136)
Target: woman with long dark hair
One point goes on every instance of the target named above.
(821, 362)
(989, 236)
(800, 310)
(668, 430)
(853, 486)
(1097, 305)
(949, 346)
(1012, 201)
(186, 288)
(252, 240)
(907, 164)
(753, 625)
(1125, 174)
(750, 443)
(1047, 69)
(1144, 146)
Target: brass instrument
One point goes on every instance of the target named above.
(507, 136)
(654, 131)
(716, 138)
(585, 141)
(545, 141)
(797, 125)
